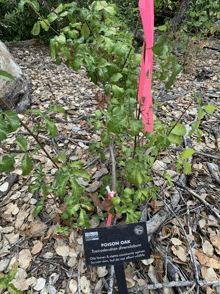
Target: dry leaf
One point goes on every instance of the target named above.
(147, 261)
(73, 286)
(208, 248)
(180, 253)
(176, 241)
(129, 276)
(208, 274)
(215, 239)
(37, 227)
(202, 258)
(102, 271)
(37, 247)
(62, 251)
(24, 258)
(20, 219)
(85, 285)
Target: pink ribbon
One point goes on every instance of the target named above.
(147, 15)
(110, 216)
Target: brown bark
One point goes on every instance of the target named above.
(180, 14)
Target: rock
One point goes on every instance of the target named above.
(16, 94)
(217, 25)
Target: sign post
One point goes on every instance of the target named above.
(116, 245)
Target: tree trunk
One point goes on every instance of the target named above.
(180, 14)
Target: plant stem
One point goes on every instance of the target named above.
(33, 135)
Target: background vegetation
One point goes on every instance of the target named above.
(16, 25)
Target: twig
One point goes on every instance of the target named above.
(196, 152)
(209, 206)
(111, 148)
(192, 254)
(172, 284)
(78, 274)
(94, 160)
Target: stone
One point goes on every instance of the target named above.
(16, 94)
(217, 25)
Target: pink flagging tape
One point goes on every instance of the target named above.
(147, 15)
(110, 216)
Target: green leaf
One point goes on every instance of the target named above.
(51, 127)
(175, 139)
(117, 91)
(3, 129)
(45, 190)
(116, 78)
(167, 176)
(117, 124)
(36, 29)
(61, 39)
(13, 121)
(136, 126)
(27, 165)
(115, 200)
(135, 178)
(36, 111)
(179, 163)
(87, 204)
(98, 125)
(22, 142)
(106, 140)
(209, 108)
(187, 168)
(13, 290)
(179, 130)
(162, 28)
(176, 68)
(76, 164)
(201, 113)
(59, 8)
(61, 156)
(44, 24)
(110, 10)
(58, 109)
(6, 76)
(52, 17)
(98, 114)
(83, 219)
(85, 30)
(32, 189)
(7, 163)
(129, 219)
(81, 173)
(62, 186)
(76, 188)
(39, 207)
(187, 153)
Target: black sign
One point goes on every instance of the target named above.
(116, 245)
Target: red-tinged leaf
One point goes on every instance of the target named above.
(56, 219)
(82, 123)
(107, 206)
(153, 203)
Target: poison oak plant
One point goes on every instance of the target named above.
(110, 58)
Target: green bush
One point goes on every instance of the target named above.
(16, 25)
